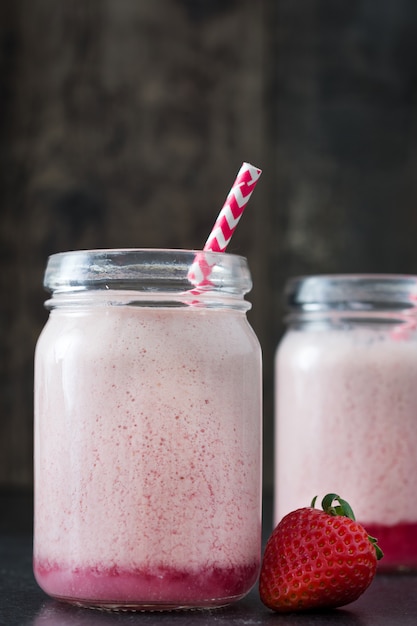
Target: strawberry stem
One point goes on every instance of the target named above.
(344, 509)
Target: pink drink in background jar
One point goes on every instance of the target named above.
(147, 432)
(346, 404)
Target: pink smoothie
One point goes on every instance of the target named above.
(147, 474)
(346, 410)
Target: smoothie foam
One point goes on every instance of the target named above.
(147, 476)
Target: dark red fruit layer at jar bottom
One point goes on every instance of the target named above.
(100, 586)
(399, 544)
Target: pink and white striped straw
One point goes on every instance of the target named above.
(226, 222)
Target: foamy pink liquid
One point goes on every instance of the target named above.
(346, 423)
(147, 455)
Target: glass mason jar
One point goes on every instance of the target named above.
(147, 432)
(346, 404)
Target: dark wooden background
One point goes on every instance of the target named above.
(124, 122)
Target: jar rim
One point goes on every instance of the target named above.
(144, 269)
(351, 292)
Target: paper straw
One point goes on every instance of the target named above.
(403, 331)
(226, 222)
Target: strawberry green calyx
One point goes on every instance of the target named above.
(344, 508)
(374, 541)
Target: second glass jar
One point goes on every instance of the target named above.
(346, 404)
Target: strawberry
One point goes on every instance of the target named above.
(317, 559)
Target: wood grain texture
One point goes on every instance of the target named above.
(124, 124)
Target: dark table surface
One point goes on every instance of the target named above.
(390, 601)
